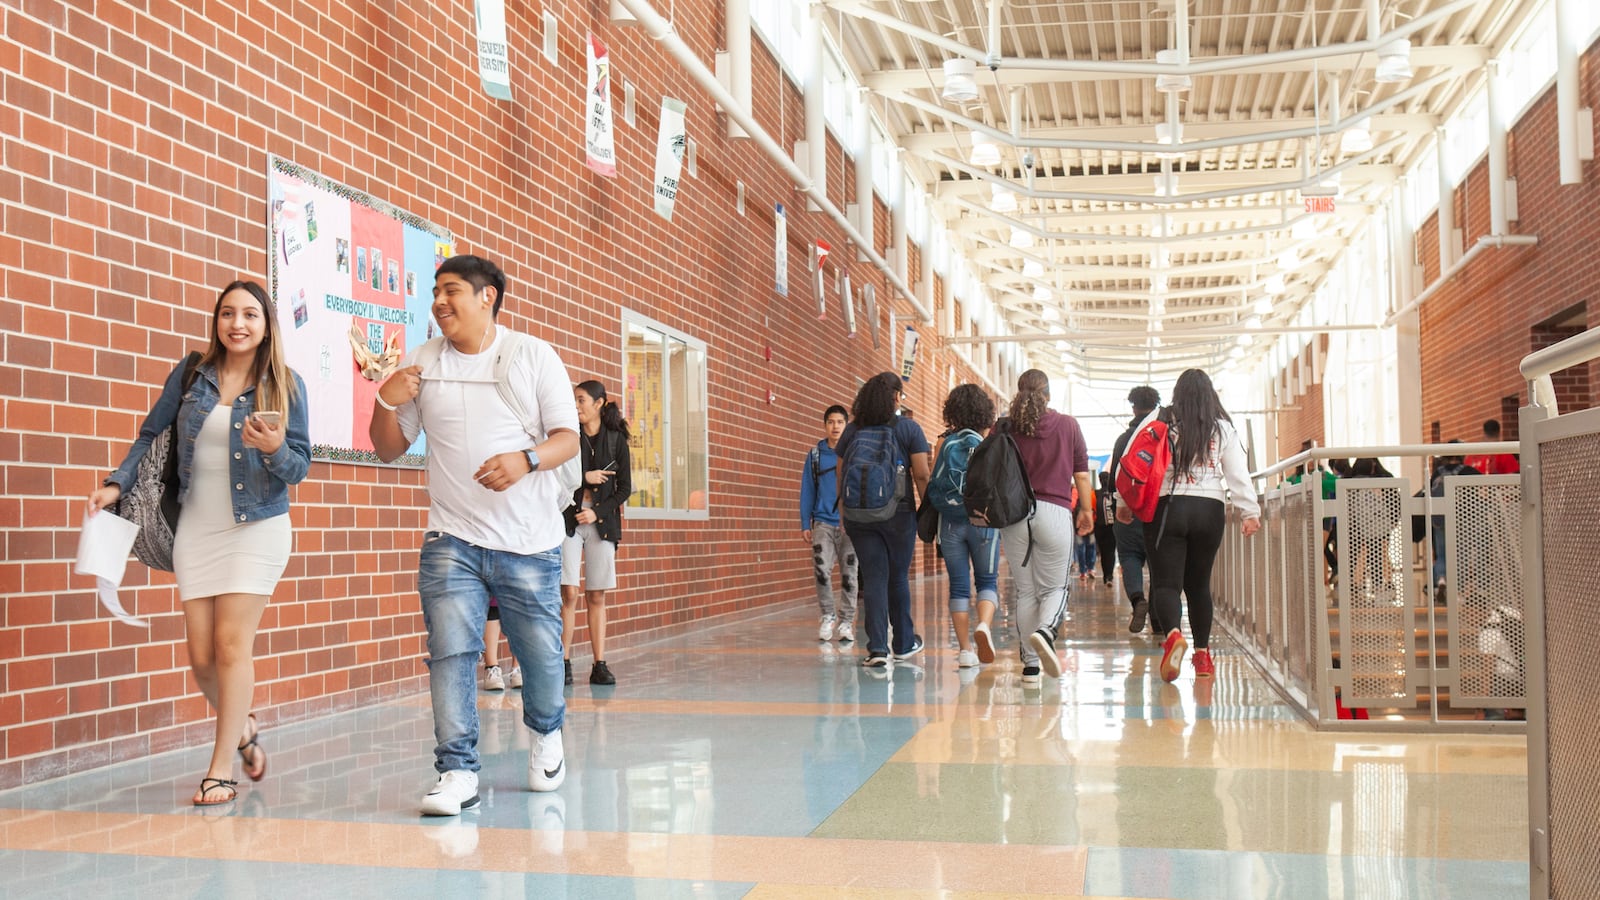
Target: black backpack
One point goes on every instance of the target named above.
(874, 476)
(997, 491)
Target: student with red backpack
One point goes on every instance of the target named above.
(1184, 530)
(880, 454)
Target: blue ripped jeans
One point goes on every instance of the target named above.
(455, 580)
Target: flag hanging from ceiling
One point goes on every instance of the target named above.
(494, 62)
(599, 142)
(780, 250)
(869, 299)
(671, 142)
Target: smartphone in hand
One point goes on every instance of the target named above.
(269, 418)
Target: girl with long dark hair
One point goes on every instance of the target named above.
(594, 522)
(1208, 469)
(243, 439)
(884, 548)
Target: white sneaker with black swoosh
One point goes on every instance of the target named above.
(547, 762)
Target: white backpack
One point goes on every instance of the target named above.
(570, 473)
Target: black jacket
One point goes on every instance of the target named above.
(606, 450)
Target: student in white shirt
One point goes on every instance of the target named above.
(1181, 540)
(494, 522)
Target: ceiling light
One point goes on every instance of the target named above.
(1170, 134)
(1357, 138)
(1236, 353)
(1172, 81)
(1253, 322)
(1289, 259)
(1246, 339)
(1033, 269)
(1063, 346)
(1002, 199)
(1394, 62)
(1263, 306)
(985, 152)
(1042, 294)
(960, 85)
(1275, 285)
(1020, 239)
(1304, 229)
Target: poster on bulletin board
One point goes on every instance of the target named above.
(352, 277)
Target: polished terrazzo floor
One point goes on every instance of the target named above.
(750, 760)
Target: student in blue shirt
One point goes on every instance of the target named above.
(819, 525)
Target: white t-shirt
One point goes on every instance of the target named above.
(460, 409)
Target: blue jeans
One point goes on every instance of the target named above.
(883, 560)
(1130, 552)
(970, 546)
(455, 580)
(1438, 549)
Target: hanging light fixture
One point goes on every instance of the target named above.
(1042, 294)
(1263, 306)
(1275, 285)
(1236, 353)
(1357, 138)
(1394, 62)
(1172, 82)
(1169, 134)
(1033, 269)
(1020, 239)
(960, 83)
(1002, 199)
(1289, 259)
(1304, 229)
(985, 152)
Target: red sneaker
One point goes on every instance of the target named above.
(1172, 650)
(1203, 666)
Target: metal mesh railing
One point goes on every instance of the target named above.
(1569, 511)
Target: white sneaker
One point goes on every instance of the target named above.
(492, 679)
(966, 659)
(547, 762)
(514, 680)
(825, 628)
(847, 632)
(984, 642)
(456, 790)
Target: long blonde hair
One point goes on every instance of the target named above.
(275, 387)
(1031, 401)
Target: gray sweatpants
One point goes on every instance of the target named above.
(829, 544)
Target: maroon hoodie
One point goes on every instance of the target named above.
(1051, 455)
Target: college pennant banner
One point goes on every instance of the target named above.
(494, 62)
(599, 143)
(820, 260)
(670, 146)
(847, 301)
(869, 298)
(780, 250)
(908, 356)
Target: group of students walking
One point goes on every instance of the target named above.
(1207, 471)
(503, 528)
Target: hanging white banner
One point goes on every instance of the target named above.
(599, 142)
(869, 299)
(670, 146)
(780, 250)
(909, 355)
(847, 301)
(494, 61)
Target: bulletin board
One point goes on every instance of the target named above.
(352, 277)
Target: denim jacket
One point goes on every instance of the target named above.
(260, 481)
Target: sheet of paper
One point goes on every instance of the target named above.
(103, 548)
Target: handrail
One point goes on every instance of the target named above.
(1580, 348)
(1461, 448)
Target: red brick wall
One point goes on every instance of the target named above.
(1301, 418)
(1477, 327)
(133, 186)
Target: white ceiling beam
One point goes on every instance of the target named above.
(954, 141)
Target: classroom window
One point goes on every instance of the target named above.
(664, 400)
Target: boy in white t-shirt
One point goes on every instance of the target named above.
(494, 527)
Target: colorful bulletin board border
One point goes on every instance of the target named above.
(352, 277)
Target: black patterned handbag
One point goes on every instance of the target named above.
(151, 502)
